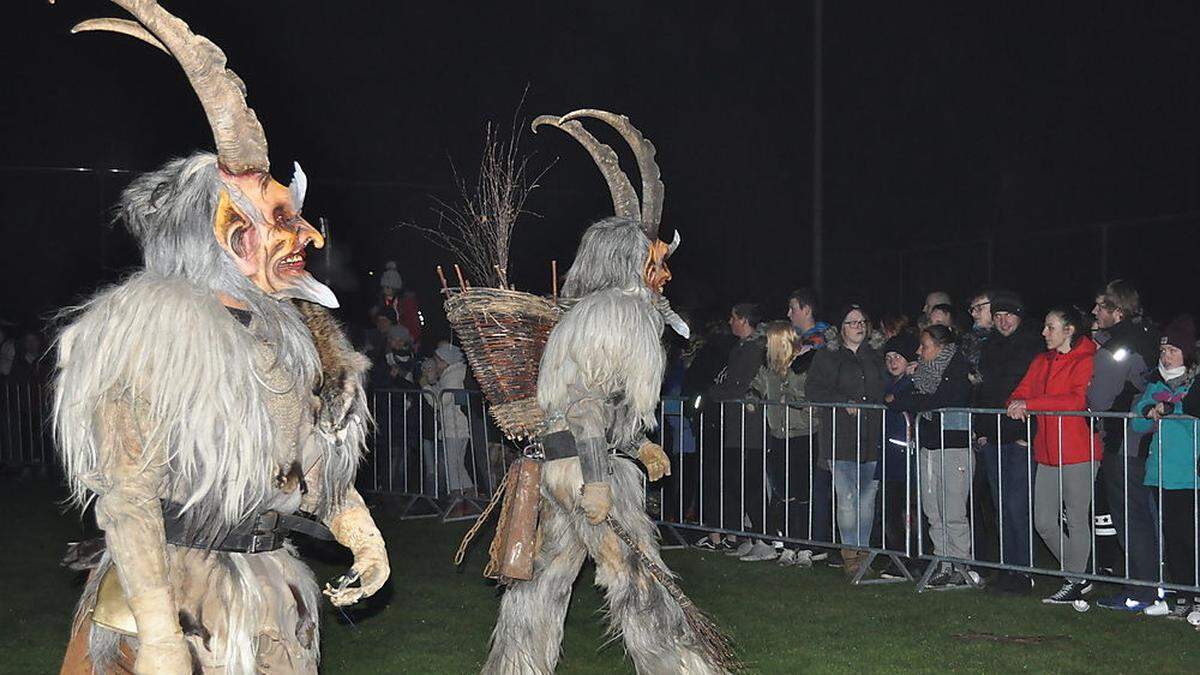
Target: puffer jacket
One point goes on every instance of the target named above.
(792, 418)
(1057, 381)
(1173, 443)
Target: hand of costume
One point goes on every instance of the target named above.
(355, 529)
(162, 648)
(655, 460)
(596, 502)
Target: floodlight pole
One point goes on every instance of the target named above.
(818, 200)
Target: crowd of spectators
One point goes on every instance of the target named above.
(834, 433)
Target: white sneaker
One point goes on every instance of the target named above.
(759, 551)
(1158, 608)
(742, 549)
(804, 558)
(787, 558)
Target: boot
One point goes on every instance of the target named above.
(851, 559)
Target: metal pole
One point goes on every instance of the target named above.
(818, 200)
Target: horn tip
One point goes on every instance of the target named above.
(538, 121)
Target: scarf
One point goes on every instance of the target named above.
(929, 375)
(1169, 374)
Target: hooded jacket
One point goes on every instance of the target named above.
(1057, 381)
(839, 375)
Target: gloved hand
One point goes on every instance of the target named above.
(355, 529)
(596, 502)
(162, 648)
(655, 460)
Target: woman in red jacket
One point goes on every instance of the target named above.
(1066, 451)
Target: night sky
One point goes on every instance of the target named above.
(947, 125)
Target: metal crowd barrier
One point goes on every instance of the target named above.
(436, 451)
(24, 440)
(718, 473)
(732, 476)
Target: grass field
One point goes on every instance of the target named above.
(435, 619)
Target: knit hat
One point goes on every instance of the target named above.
(391, 278)
(903, 344)
(1181, 333)
(1007, 301)
(449, 353)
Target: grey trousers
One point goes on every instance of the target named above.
(945, 481)
(1070, 540)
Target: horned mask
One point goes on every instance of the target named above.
(258, 221)
(647, 211)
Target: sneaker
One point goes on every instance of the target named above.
(940, 577)
(706, 544)
(1157, 608)
(1123, 603)
(760, 551)
(817, 555)
(804, 558)
(787, 558)
(741, 550)
(1069, 593)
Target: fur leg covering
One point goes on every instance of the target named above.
(528, 635)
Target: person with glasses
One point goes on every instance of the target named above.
(849, 371)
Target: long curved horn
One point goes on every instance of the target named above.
(625, 201)
(241, 143)
(643, 150)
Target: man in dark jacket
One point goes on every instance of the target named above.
(1001, 441)
(1129, 350)
(738, 425)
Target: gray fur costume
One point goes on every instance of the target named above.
(599, 378)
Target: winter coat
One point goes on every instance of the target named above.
(953, 391)
(1057, 381)
(839, 375)
(1173, 443)
(1119, 377)
(896, 435)
(1003, 361)
(446, 396)
(742, 423)
(784, 421)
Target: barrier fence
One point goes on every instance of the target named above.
(24, 439)
(902, 486)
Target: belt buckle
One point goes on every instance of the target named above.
(267, 523)
(261, 541)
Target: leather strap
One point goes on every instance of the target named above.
(263, 533)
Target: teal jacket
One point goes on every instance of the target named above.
(1174, 442)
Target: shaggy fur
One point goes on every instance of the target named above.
(528, 635)
(599, 377)
(156, 378)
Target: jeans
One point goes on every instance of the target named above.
(1137, 530)
(854, 485)
(1008, 473)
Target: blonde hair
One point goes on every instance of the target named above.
(781, 345)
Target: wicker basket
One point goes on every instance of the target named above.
(503, 334)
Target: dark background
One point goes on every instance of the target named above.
(965, 143)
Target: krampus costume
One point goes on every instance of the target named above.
(207, 401)
(598, 385)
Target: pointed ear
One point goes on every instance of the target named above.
(298, 186)
(233, 231)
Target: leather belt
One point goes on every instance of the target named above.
(263, 533)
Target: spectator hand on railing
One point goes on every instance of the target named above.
(1017, 410)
